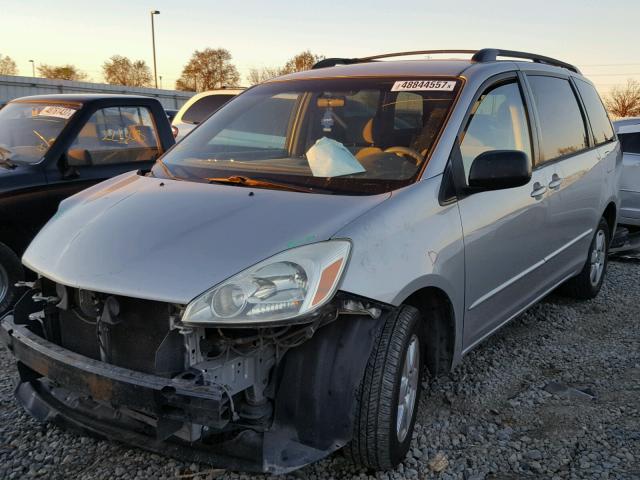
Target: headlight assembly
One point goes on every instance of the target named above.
(288, 285)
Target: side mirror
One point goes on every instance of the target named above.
(500, 169)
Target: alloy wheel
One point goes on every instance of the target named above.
(598, 258)
(408, 388)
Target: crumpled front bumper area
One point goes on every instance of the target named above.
(90, 386)
(313, 400)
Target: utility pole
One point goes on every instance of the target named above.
(153, 42)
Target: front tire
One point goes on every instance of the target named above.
(587, 284)
(10, 272)
(387, 399)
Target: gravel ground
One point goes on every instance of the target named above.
(556, 394)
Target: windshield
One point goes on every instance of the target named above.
(353, 136)
(27, 130)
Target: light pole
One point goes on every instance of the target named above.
(153, 42)
(33, 67)
(160, 81)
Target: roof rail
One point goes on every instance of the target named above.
(492, 54)
(332, 62)
(480, 56)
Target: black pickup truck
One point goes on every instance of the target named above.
(52, 146)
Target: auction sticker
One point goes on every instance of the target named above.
(57, 112)
(424, 85)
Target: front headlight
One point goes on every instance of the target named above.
(290, 284)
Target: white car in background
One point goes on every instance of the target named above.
(628, 131)
(199, 107)
(628, 233)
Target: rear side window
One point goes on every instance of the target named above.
(600, 123)
(562, 126)
(115, 135)
(630, 142)
(204, 107)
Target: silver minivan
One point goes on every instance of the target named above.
(278, 284)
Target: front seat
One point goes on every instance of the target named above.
(368, 137)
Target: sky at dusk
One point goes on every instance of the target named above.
(599, 37)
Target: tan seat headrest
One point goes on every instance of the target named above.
(367, 132)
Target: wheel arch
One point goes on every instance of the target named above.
(438, 313)
(610, 214)
(15, 236)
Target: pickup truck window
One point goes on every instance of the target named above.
(115, 135)
(498, 122)
(28, 129)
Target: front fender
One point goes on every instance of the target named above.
(315, 393)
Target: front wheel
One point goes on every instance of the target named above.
(588, 282)
(388, 397)
(10, 272)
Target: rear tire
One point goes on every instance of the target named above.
(587, 284)
(388, 396)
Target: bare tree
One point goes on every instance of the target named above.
(302, 61)
(624, 101)
(259, 75)
(208, 69)
(61, 72)
(7, 66)
(119, 70)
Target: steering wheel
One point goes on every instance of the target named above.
(406, 152)
(41, 137)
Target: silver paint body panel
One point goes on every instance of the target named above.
(171, 240)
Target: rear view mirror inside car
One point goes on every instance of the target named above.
(330, 102)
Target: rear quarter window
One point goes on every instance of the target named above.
(600, 123)
(562, 126)
(204, 107)
(630, 142)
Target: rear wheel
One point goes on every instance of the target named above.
(588, 282)
(388, 397)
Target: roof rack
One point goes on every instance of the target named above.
(480, 56)
(492, 54)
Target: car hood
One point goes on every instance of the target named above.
(172, 240)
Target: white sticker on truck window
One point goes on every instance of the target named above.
(424, 85)
(57, 112)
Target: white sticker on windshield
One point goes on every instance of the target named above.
(424, 85)
(57, 112)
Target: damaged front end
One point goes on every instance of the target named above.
(252, 398)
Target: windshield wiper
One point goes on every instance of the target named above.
(255, 182)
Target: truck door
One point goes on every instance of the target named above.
(114, 140)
